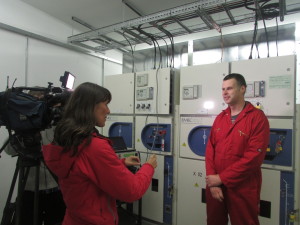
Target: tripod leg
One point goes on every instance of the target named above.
(8, 210)
(139, 220)
(22, 182)
(20, 200)
(23, 175)
(36, 195)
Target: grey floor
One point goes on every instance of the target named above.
(126, 218)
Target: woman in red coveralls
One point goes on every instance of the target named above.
(90, 175)
(234, 154)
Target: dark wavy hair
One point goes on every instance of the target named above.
(78, 120)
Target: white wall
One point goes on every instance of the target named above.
(17, 14)
(21, 15)
(47, 62)
(12, 64)
(112, 68)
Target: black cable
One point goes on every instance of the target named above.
(256, 45)
(132, 52)
(255, 40)
(265, 11)
(172, 47)
(154, 43)
(254, 9)
(254, 36)
(170, 36)
(150, 36)
(277, 35)
(160, 54)
(167, 55)
(267, 35)
(154, 62)
(222, 45)
(271, 11)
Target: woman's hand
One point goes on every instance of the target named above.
(152, 160)
(132, 161)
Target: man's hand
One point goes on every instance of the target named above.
(132, 161)
(213, 180)
(217, 193)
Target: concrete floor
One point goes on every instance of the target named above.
(126, 218)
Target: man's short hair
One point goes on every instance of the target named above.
(238, 77)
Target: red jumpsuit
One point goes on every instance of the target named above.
(92, 180)
(236, 152)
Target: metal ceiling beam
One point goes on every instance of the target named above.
(138, 36)
(83, 23)
(207, 19)
(54, 42)
(182, 25)
(133, 8)
(203, 15)
(86, 46)
(229, 14)
(192, 7)
(129, 37)
(99, 49)
(101, 40)
(110, 40)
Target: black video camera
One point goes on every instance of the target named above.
(26, 109)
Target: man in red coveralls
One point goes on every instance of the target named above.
(234, 154)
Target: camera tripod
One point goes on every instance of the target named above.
(28, 157)
(12, 212)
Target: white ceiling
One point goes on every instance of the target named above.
(101, 13)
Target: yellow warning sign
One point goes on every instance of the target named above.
(138, 140)
(184, 144)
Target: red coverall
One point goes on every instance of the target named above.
(92, 180)
(236, 152)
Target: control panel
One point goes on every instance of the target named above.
(271, 83)
(191, 92)
(153, 91)
(121, 87)
(201, 89)
(255, 89)
(194, 135)
(157, 137)
(279, 151)
(154, 133)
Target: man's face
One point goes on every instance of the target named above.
(232, 93)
